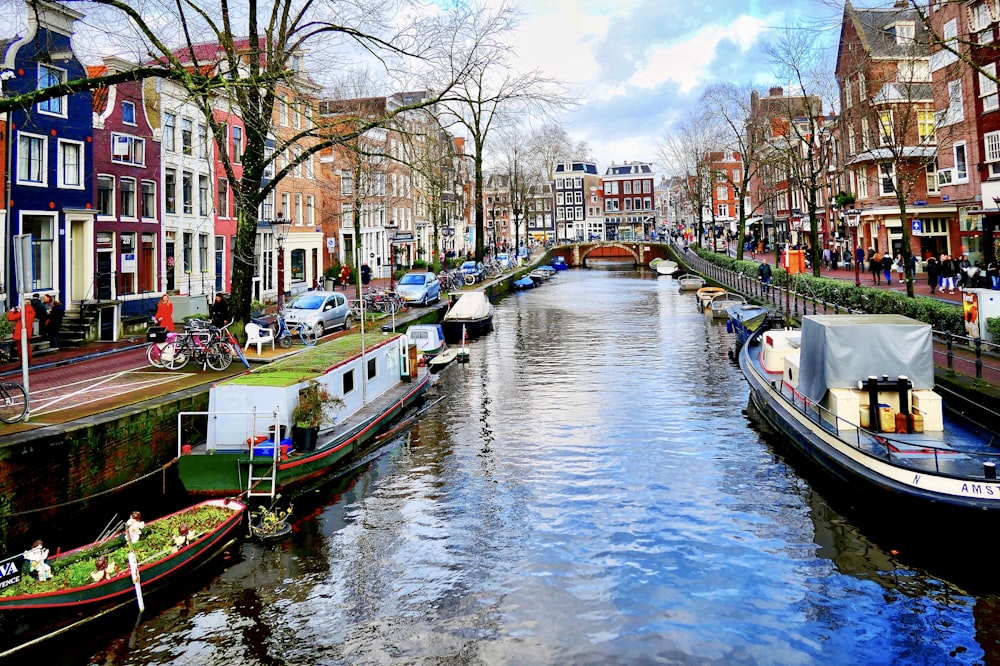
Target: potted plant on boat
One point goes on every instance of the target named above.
(312, 412)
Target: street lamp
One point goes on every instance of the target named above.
(279, 227)
(391, 227)
(853, 216)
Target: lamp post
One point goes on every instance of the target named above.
(279, 227)
(853, 216)
(391, 230)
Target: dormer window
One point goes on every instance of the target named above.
(906, 32)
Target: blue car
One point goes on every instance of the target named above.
(474, 271)
(419, 288)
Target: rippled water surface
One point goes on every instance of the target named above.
(588, 492)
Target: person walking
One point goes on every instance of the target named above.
(875, 264)
(165, 313)
(764, 273)
(366, 274)
(933, 269)
(859, 256)
(947, 274)
(345, 276)
(41, 313)
(900, 265)
(219, 312)
(887, 268)
(14, 317)
(55, 322)
(993, 273)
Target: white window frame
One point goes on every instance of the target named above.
(862, 182)
(134, 198)
(128, 105)
(169, 132)
(960, 156)
(136, 149)
(930, 176)
(65, 148)
(148, 196)
(882, 174)
(42, 162)
(112, 196)
(57, 105)
(988, 87)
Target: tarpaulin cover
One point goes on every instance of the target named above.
(838, 350)
(470, 306)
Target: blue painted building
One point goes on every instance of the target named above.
(50, 192)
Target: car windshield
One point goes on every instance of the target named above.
(501, 257)
(306, 302)
(469, 266)
(412, 278)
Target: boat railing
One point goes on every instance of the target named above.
(895, 451)
(962, 354)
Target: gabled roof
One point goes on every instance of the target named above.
(876, 29)
(100, 95)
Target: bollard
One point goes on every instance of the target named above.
(990, 470)
(979, 358)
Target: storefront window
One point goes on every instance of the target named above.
(298, 262)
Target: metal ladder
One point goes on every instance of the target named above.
(269, 478)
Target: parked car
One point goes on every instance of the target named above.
(320, 309)
(474, 271)
(420, 287)
(504, 260)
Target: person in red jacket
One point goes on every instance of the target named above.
(14, 316)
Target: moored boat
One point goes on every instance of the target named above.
(97, 575)
(690, 282)
(429, 339)
(371, 383)
(559, 263)
(746, 318)
(471, 314)
(705, 295)
(720, 304)
(523, 283)
(666, 267)
(854, 395)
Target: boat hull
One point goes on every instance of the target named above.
(474, 328)
(847, 465)
(226, 474)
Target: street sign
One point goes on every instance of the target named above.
(917, 226)
(402, 237)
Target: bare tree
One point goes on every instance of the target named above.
(685, 153)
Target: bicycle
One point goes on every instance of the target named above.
(284, 334)
(200, 342)
(13, 401)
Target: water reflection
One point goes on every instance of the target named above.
(588, 492)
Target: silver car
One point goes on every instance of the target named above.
(419, 287)
(320, 309)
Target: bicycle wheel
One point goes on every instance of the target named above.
(153, 353)
(285, 341)
(219, 355)
(175, 355)
(470, 279)
(308, 334)
(13, 402)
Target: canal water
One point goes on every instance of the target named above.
(589, 491)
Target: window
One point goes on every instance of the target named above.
(372, 368)
(911, 71)
(885, 134)
(346, 183)
(348, 382)
(862, 87)
(299, 212)
(579, 212)
(865, 137)
(202, 141)
(187, 136)
(127, 149)
(887, 178)
(170, 191)
(647, 186)
(105, 195)
(930, 175)
(578, 197)
(950, 31)
(223, 197)
(310, 210)
(862, 180)
(169, 123)
(148, 199)
(559, 183)
(187, 192)
(202, 194)
(848, 99)
(128, 113)
(851, 137)
(70, 164)
(128, 197)
(956, 109)
(723, 210)
(559, 199)
(284, 205)
(48, 77)
(40, 228)
(721, 192)
(31, 159)
(237, 144)
(988, 87)
(905, 32)
(578, 183)
(961, 163)
(187, 251)
(203, 252)
(282, 112)
(297, 260)
(925, 126)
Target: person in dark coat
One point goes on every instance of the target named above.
(948, 269)
(859, 256)
(874, 264)
(41, 314)
(55, 322)
(366, 274)
(887, 268)
(764, 273)
(219, 312)
(933, 269)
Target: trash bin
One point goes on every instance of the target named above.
(329, 284)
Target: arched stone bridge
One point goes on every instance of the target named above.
(577, 254)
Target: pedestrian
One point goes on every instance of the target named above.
(993, 273)
(827, 256)
(947, 273)
(933, 268)
(962, 272)
(219, 312)
(900, 265)
(41, 314)
(345, 275)
(859, 256)
(165, 314)
(875, 264)
(887, 268)
(55, 322)
(366, 274)
(764, 273)
(14, 317)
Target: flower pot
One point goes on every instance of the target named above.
(304, 439)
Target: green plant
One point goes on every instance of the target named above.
(256, 306)
(314, 406)
(844, 199)
(6, 328)
(993, 327)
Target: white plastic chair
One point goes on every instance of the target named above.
(257, 335)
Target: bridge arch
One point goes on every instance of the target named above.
(588, 249)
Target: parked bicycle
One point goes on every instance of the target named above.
(285, 334)
(202, 343)
(13, 401)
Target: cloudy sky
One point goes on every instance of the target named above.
(636, 66)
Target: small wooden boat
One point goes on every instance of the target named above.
(690, 282)
(442, 360)
(721, 303)
(429, 339)
(705, 295)
(544, 272)
(653, 263)
(666, 267)
(168, 546)
(471, 314)
(523, 283)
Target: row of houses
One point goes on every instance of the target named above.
(919, 120)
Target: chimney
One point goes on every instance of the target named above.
(901, 4)
(776, 91)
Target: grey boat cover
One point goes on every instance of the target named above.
(838, 350)
(470, 306)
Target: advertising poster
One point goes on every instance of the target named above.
(970, 312)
